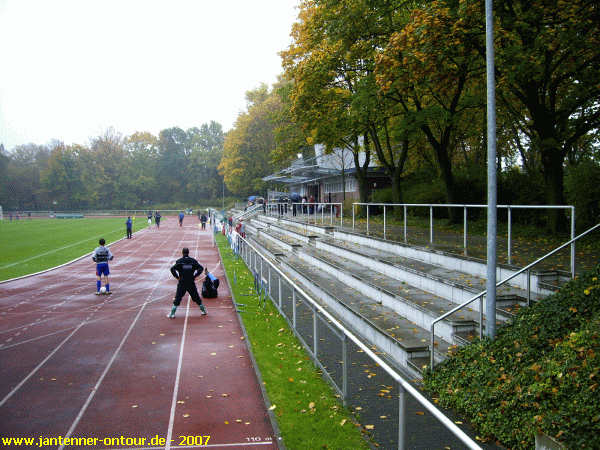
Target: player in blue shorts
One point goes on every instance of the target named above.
(181, 216)
(101, 257)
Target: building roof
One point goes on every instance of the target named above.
(302, 171)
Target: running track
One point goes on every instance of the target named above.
(73, 364)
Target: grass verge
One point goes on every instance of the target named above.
(308, 412)
(29, 246)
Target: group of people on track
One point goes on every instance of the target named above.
(186, 269)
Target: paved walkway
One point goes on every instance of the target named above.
(114, 370)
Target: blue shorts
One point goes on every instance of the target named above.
(102, 269)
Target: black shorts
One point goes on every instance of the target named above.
(182, 288)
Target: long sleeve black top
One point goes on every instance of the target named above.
(186, 269)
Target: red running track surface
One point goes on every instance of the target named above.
(115, 368)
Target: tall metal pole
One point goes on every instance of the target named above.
(490, 304)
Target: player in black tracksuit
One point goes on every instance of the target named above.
(186, 270)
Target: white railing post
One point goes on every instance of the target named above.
(401, 417)
(405, 224)
(465, 229)
(294, 307)
(352, 216)
(509, 233)
(345, 362)
(367, 219)
(573, 244)
(384, 221)
(431, 224)
(315, 335)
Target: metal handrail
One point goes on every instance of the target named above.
(274, 208)
(448, 423)
(500, 283)
(249, 211)
(465, 206)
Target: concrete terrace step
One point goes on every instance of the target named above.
(391, 333)
(453, 285)
(465, 264)
(414, 304)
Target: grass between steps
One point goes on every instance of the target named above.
(540, 374)
(308, 412)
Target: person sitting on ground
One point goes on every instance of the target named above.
(210, 285)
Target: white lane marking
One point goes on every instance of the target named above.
(179, 363)
(101, 379)
(110, 363)
(18, 386)
(177, 376)
(132, 273)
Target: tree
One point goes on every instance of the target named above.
(247, 147)
(331, 63)
(206, 145)
(548, 65)
(432, 70)
(142, 149)
(63, 178)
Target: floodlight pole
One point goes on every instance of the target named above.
(490, 304)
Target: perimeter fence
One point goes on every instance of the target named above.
(391, 409)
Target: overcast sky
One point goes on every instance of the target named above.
(69, 69)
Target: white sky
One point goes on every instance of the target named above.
(69, 69)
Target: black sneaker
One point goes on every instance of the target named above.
(202, 310)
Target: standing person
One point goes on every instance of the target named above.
(157, 217)
(186, 270)
(181, 216)
(129, 227)
(203, 221)
(101, 257)
(149, 218)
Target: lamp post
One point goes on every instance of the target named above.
(490, 304)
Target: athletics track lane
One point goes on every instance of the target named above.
(73, 364)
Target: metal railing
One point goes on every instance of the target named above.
(465, 207)
(252, 210)
(498, 284)
(313, 325)
(309, 212)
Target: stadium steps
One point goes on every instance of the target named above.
(400, 339)
(414, 304)
(452, 261)
(453, 285)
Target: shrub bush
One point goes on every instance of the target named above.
(540, 373)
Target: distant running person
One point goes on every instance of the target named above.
(186, 270)
(101, 257)
(181, 216)
(157, 217)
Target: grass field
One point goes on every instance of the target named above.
(29, 246)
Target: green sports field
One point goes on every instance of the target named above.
(29, 246)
